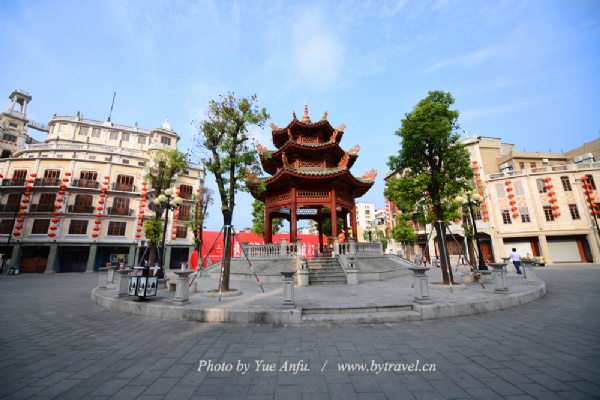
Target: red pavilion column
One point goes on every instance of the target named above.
(320, 229)
(353, 222)
(293, 217)
(268, 222)
(333, 206)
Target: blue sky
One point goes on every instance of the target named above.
(527, 72)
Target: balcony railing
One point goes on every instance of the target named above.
(85, 183)
(124, 187)
(47, 182)
(8, 207)
(41, 208)
(13, 182)
(120, 211)
(79, 209)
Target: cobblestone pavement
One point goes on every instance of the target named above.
(55, 343)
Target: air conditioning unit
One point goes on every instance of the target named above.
(588, 157)
(544, 161)
(505, 166)
(578, 159)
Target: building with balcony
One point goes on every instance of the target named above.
(77, 201)
(542, 204)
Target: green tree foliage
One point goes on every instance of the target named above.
(433, 167)
(326, 226)
(198, 215)
(258, 219)
(164, 164)
(228, 150)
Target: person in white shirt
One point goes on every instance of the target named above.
(516, 259)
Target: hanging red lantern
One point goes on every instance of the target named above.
(547, 179)
(30, 181)
(100, 208)
(33, 175)
(67, 173)
(551, 193)
(474, 162)
(21, 213)
(104, 189)
(509, 189)
(25, 200)
(142, 212)
(97, 222)
(555, 207)
(63, 186)
(53, 228)
(26, 194)
(107, 177)
(144, 183)
(549, 186)
(17, 233)
(58, 206)
(507, 182)
(512, 202)
(105, 183)
(65, 180)
(141, 217)
(99, 215)
(52, 234)
(484, 211)
(20, 220)
(29, 188)
(61, 192)
(94, 235)
(173, 237)
(23, 207)
(100, 201)
(511, 195)
(553, 200)
(514, 208)
(1, 176)
(102, 195)
(138, 230)
(557, 214)
(56, 213)
(60, 199)
(96, 228)
(140, 223)
(18, 227)
(55, 220)
(137, 236)
(515, 215)
(485, 217)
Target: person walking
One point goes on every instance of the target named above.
(516, 259)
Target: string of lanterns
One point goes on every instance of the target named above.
(102, 197)
(175, 216)
(480, 188)
(587, 190)
(58, 206)
(553, 199)
(511, 197)
(24, 206)
(141, 212)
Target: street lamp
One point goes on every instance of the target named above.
(164, 202)
(471, 200)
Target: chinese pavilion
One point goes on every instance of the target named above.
(311, 177)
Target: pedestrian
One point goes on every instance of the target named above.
(516, 259)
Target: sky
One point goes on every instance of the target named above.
(527, 72)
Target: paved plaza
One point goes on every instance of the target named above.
(55, 343)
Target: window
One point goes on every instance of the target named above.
(46, 202)
(182, 232)
(566, 183)
(500, 192)
(124, 182)
(141, 139)
(541, 185)
(185, 191)
(6, 226)
(40, 226)
(519, 188)
(184, 212)
(19, 176)
(62, 128)
(477, 213)
(125, 162)
(120, 206)
(51, 177)
(532, 164)
(12, 124)
(78, 227)
(506, 217)
(83, 204)
(524, 211)
(116, 228)
(96, 132)
(87, 179)
(9, 138)
(521, 165)
(12, 202)
(165, 140)
(574, 211)
(590, 180)
(83, 131)
(548, 213)
(125, 137)
(114, 135)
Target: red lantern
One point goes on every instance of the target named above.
(33, 175)
(107, 177)
(99, 215)
(105, 183)
(96, 228)
(140, 223)
(509, 189)
(515, 215)
(22, 213)
(94, 235)
(553, 200)
(53, 228)
(144, 183)
(56, 213)
(30, 181)
(557, 214)
(512, 202)
(547, 179)
(23, 207)
(549, 186)
(97, 222)
(514, 208)
(142, 212)
(100, 201)
(67, 173)
(61, 192)
(102, 195)
(104, 189)
(65, 180)
(25, 201)
(52, 234)
(1, 176)
(58, 206)
(17, 233)
(507, 183)
(474, 162)
(20, 220)
(551, 193)
(63, 186)
(19, 227)
(137, 236)
(555, 207)
(55, 220)
(26, 194)
(511, 195)
(138, 230)
(60, 199)
(173, 237)
(29, 188)
(100, 208)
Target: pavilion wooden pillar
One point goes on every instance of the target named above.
(345, 224)
(353, 221)
(268, 223)
(320, 229)
(333, 205)
(293, 217)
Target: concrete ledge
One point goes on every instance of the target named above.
(494, 303)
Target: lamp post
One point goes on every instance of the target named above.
(164, 202)
(471, 200)
(4, 256)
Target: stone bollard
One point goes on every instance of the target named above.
(302, 270)
(182, 288)
(529, 270)
(111, 274)
(499, 277)
(421, 285)
(103, 280)
(288, 288)
(351, 272)
(122, 282)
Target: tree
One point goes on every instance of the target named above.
(326, 226)
(431, 162)
(258, 219)
(228, 151)
(165, 163)
(198, 215)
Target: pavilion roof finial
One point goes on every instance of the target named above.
(305, 117)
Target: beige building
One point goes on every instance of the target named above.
(77, 201)
(535, 202)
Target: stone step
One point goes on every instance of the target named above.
(362, 317)
(357, 310)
